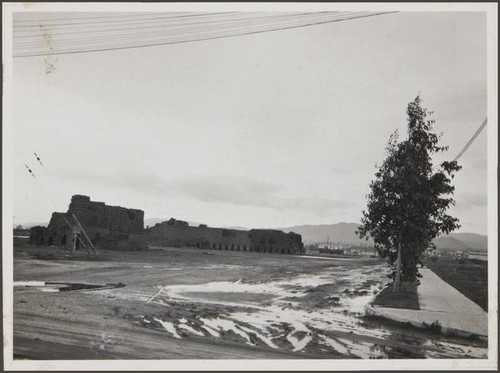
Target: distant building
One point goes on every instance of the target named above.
(115, 227)
(478, 256)
(203, 237)
(109, 227)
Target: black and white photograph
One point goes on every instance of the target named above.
(263, 186)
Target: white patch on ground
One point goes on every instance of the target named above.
(320, 257)
(274, 288)
(298, 344)
(213, 333)
(222, 266)
(358, 348)
(226, 325)
(147, 267)
(169, 327)
(49, 290)
(453, 349)
(29, 283)
(267, 340)
(191, 330)
(336, 345)
(357, 304)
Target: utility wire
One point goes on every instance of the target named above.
(89, 17)
(41, 23)
(211, 30)
(152, 25)
(469, 143)
(174, 34)
(70, 226)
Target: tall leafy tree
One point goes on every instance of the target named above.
(409, 197)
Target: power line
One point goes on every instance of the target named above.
(93, 17)
(469, 143)
(90, 17)
(185, 31)
(211, 30)
(93, 23)
(163, 24)
(91, 249)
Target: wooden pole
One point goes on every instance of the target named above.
(397, 280)
(85, 234)
(84, 245)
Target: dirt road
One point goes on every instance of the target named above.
(195, 304)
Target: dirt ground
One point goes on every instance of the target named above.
(184, 303)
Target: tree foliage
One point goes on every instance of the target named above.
(408, 200)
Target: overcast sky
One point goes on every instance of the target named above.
(267, 130)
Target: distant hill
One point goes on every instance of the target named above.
(340, 232)
(474, 241)
(346, 233)
(463, 241)
(449, 243)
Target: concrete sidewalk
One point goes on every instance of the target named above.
(442, 303)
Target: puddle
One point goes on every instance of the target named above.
(288, 321)
(304, 314)
(321, 257)
(55, 287)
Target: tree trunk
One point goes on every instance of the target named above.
(397, 279)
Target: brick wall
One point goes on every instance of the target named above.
(106, 226)
(260, 240)
(164, 234)
(116, 220)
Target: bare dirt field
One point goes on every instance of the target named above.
(184, 303)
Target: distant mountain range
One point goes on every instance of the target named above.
(346, 233)
(340, 232)
(462, 241)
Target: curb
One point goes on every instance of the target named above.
(371, 311)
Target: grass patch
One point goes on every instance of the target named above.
(406, 298)
(470, 277)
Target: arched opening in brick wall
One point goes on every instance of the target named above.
(63, 240)
(50, 241)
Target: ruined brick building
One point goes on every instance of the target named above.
(119, 228)
(178, 233)
(108, 227)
